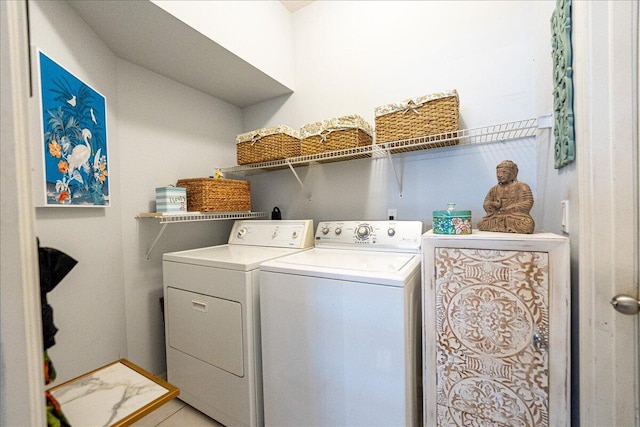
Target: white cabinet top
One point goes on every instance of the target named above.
(478, 235)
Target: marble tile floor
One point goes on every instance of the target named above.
(176, 413)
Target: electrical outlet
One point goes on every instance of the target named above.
(565, 216)
(392, 214)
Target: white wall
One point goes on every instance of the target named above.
(88, 303)
(158, 131)
(352, 56)
(167, 131)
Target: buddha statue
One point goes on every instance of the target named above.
(508, 203)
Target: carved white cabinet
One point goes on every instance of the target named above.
(496, 316)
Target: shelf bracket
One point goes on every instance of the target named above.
(299, 180)
(155, 241)
(395, 172)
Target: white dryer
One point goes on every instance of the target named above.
(341, 328)
(212, 320)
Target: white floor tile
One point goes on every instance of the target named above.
(176, 413)
(160, 414)
(188, 416)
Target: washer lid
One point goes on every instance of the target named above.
(362, 266)
(233, 257)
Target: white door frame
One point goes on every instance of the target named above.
(22, 374)
(606, 102)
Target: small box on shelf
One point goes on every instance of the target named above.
(171, 199)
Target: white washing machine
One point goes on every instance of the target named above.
(341, 328)
(212, 317)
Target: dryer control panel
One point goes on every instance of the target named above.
(377, 235)
(297, 234)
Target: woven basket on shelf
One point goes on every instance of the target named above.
(264, 145)
(216, 195)
(335, 134)
(429, 115)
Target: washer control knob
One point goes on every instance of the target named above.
(363, 232)
(325, 230)
(338, 231)
(274, 234)
(391, 232)
(241, 233)
(294, 234)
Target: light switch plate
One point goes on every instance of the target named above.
(565, 216)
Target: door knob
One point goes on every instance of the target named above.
(626, 304)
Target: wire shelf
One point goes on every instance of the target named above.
(327, 157)
(202, 216)
(211, 216)
(481, 135)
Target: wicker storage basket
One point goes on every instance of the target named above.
(264, 145)
(423, 116)
(217, 195)
(335, 134)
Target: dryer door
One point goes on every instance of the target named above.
(207, 328)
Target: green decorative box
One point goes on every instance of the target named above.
(452, 221)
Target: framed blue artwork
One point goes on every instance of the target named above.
(74, 138)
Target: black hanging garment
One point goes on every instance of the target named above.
(54, 266)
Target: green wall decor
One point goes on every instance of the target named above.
(563, 131)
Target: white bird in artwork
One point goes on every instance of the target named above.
(93, 116)
(72, 101)
(81, 153)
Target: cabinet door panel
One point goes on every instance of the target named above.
(448, 416)
(491, 306)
